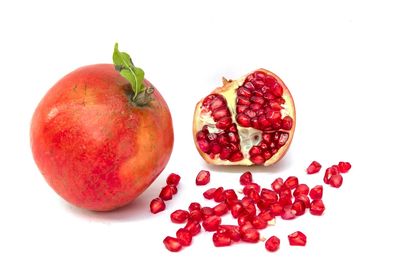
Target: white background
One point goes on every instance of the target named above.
(340, 59)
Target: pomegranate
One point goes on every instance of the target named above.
(102, 134)
(249, 121)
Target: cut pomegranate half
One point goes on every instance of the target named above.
(249, 121)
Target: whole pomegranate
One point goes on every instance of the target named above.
(246, 121)
(102, 134)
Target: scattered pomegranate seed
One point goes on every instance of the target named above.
(336, 180)
(272, 244)
(230, 194)
(305, 199)
(236, 210)
(195, 215)
(314, 167)
(194, 206)
(230, 230)
(344, 166)
(333, 170)
(251, 186)
(209, 194)
(173, 179)
(277, 185)
(221, 240)
(291, 182)
(276, 209)
(203, 177)
(157, 205)
(301, 189)
(246, 178)
(172, 244)
(316, 192)
(219, 194)
(297, 239)
(211, 223)
(193, 227)
(250, 235)
(288, 213)
(220, 209)
(259, 223)
(269, 196)
(166, 193)
(266, 215)
(206, 212)
(317, 207)
(184, 237)
(299, 207)
(179, 216)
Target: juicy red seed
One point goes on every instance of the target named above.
(243, 91)
(287, 122)
(230, 194)
(336, 180)
(173, 179)
(203, 145)
(317, 207)
(243, 219)
(288, 213)
(194, 206)
(195, 215)
(250, 209)
(276, 209)
(334, 170)
(250, 235)
(277, 185)
(301, 189)
(272, 244)
(203, 177)
(297, 239)
(219, 194)
(208, 99)
(243, 101)
(303, 198)
(209, 194)
(206, 212)
(184, 237)
(243, 120)
(254, 195)
(263, 204)
(259, 223)
(230, 230)
(221, 240)
(285, 197)
(269, 195)
(220, 209)
(217, 103)
(236, 156)
(220, 113)
(240, 108)
(157, 205)
(211, 223)
(172, 244)
(255, 150)
(193, 227)
(236, 210)
(251, 186)
(316, 192)
(299, 207)
(224, 123)
(258, 159)
(226, 151)
(291, 182)
(166, 193)
(174, 189)
(266, 215)
(344, 166)
(314, 167)
(179, 216)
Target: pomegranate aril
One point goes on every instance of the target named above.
(333, 170)
(243, 101)
(236, 156)
(206, 212)
(272, 244)
(243, 91)
(220, 209)
(304, 199)
(291, 182)
(243, 120)
(236, 210)
(173, 179)
(297, 239)
(336, 180)
(250, 235)
(195, 215)
(259, 223)
(257, 159)
(244, 219)
(203, 145)
(251, 186)
(276, 209)
(277, 185)
(299, 207)
(220, 113)
(255, 150)
(285, 197)
(194, 206)
(301, 189)
(203, 177)
(254, 195)
(211, 223)
(344, 166)
(157, 205)
(224, 123)
(317, 207)
(225, 153)
(179, 216)
(184, 237)
(209, 193)
(219, 194)
(266, 215)
(217, 103)
(269, 195)
(316, 192)
(230, 194)
(193, 227)
(287, 122)
(172, 244)
(314, 167)
(166, 192)
(221, 240)
(230, 230)
(288, 213)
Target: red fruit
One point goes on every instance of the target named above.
(299, 207)
(336, 180)
(193, 227)
(297, 239)
(251, 186)
(276, 209)
(219, 195)
(333, 170)
(269, 196)
(173, 179)
(230, 194)
(272, 244)
(259, 223)
(98, 140)
(301, 189)
(277, 185)
(209, 193)
(237, 209)
(221, 240)
(246, 178)
(344, 166)
(317, 207)
(203, 178)
(288, 213)
(184, 237)
(291, 182)
(195, 215)
(250, 235)
(206, 212)
(232, 231)
(157, 205)
(194, 206)
(179, 216)
(167, 192)
(304, 198)
(211, 223)
(220, 209)
(266, 215)
(262, 105)
(316, 192)
(314, 167)
(172, 244)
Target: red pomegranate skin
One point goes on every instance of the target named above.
(94, 146)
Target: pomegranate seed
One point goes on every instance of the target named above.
(277, 185)
(285, 197)
(236, 210)
(297, 239)
(174, 189)
(299, 207)
(211, 223)
(251, 186)
(195, 215)
(209, 194)
(243, 119)
(203, 177)
(193, 227)
(263, 204)
(206, 212)
(344, 166)
(250, 209)
(301, 189)
(266, 215)
(254, 195)
(220, 209)
(336, 180)
(288, 213)
(246, 178)
(259, 223)
(230, 194)
(314, 167)
(179, 216)
(166, 193)
(333, 170)
(287, 122)
(221, 240)
(257, 159)
(276, 209)
(269, 195)
(246, 225)
(172, 244)
(173, 179)
(303, 198)
(316, 192)
(291, 182)
(230, 230)
(250, 235)
(194, 206)
(184, 237)
(219, 194)
(157, 205)
(317, 207)
(243, 219)
(272, 244)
